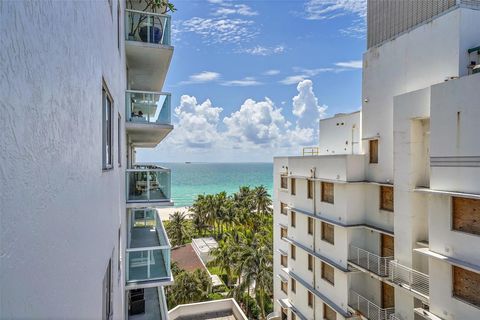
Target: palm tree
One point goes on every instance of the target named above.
(200, 214)
(225, 257)
(189, 287)
(262, 200)
(255, 266)
(177, 228)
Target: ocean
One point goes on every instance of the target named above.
(191, 179)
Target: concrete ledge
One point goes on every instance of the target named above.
(207, 310)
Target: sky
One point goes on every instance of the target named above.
(251, 79)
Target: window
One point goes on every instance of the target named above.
(310, 225)
(293, 285)
(386, 198)
(283, 208)
(329, 313)
(465, 285)
(293, 252)
(373, 146)
(283, 182)
(284, 286)
(327, 192)
(293, 218)
(118, 24)
(283, 232)
(466, 215)
(293, 186)
(328, 232)
(119, 139)
(310, 299)
(107, 127)
(310, 262)
(107, 292)
(328, 273)
(284, 260)
(309, 189)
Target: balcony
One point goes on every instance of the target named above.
(148, 303)
(208, 310)
(369, 261)
(409, 279)
(367, 308)
(148, 250)
(148, 49)
(148, 116)
(148, 185)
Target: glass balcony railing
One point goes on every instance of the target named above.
(148, 27)
(148, 107)
(148, 184)
(148, 253)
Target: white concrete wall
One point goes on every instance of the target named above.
(341, 134)
(60, 213)
(407, 64)
(455, 131)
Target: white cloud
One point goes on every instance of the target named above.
(330, 9)
(202, 77)
(293, 79)
(272, 72)
(256, 123)
(218, 30)
(245, 82)
(263, 51)
(354, 64)
(197, 123)
(228, 9)
(306, 107)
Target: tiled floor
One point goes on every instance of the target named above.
(152, 306)
(144, 237)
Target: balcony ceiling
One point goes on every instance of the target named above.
(147, 65)
(146, 135)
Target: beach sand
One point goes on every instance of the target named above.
(165, 213)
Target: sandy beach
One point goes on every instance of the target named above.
(165, 213)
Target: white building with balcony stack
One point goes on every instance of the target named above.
(382, 219)
(81, 89)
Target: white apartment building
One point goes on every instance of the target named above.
(80, 90)
(382, 219)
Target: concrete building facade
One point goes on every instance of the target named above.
(81, 89)
(389, 231)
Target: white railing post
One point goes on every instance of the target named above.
(148, 264)
(148, 185)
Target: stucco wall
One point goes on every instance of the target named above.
(60, 213)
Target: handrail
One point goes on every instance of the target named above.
(367, 308)
(149, 92)
(150, 13)
(409, 278)
(370, 261)
(311, 151)
(146, 170)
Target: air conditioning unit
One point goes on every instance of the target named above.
(476, 69)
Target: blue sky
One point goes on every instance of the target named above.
(250, 79)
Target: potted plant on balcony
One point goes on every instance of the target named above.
(148, 27)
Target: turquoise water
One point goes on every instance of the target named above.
(189, 180)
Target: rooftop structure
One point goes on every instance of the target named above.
(226, 309)
(203, 247)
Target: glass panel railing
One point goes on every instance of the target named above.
(148, 107)
(148, 264)
(148, 185)
(147, 27)
(146, 229)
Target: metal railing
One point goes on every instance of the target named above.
(311, 151)
(367, 308)
(148, 107)
(147, 27)
(409, 278)
(370, 261)
(394, 317)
